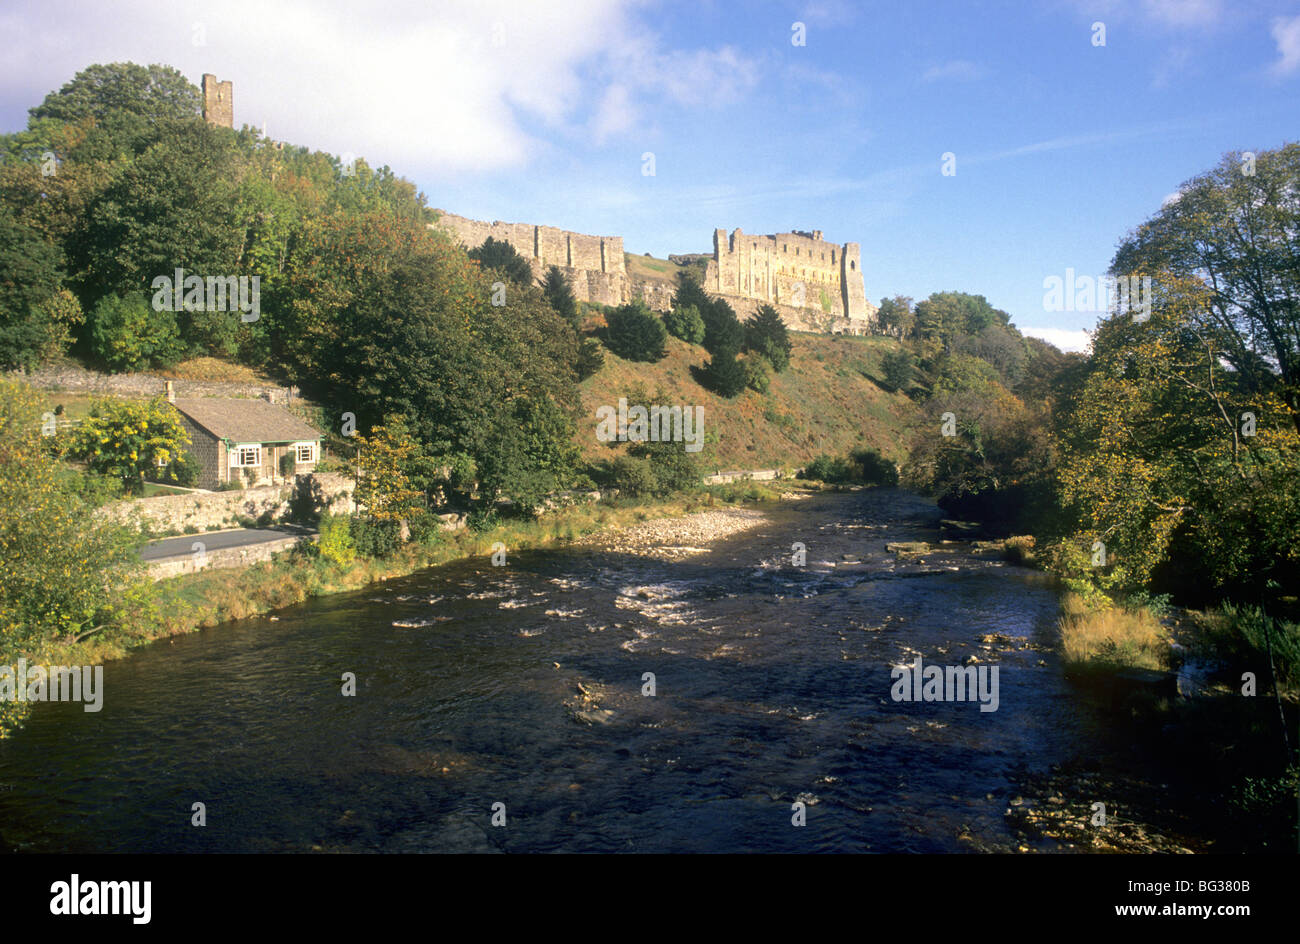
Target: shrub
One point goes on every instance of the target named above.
(674, 469)
(306, 501)
(634, 477)
(375, 538)
(685, 323)
(897, 368)
(591, 358)
(482, 519)
(1242, 635)
(182, 470)
(288, 462)
(336, 539)
(872, 468)
(725, 375)
(756, 377)
(635, 334)
(127, 334)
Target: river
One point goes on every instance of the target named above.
(523, 685)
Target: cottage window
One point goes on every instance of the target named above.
(306, 452)
(246, 457)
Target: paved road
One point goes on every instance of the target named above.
(213, 540)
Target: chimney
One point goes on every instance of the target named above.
(170, 389)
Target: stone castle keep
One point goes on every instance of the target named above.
(813, 284)
(218, 102)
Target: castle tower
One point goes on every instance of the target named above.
(851, 284)
(218, 102)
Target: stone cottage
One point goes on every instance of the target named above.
(251, 442)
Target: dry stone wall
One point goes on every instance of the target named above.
(196, 512)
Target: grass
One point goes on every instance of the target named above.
(1113, 637)
(811, 409)
(1241, 636)
(1019, 549)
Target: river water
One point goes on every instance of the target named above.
(772, 685)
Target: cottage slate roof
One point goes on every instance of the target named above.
(246, 421)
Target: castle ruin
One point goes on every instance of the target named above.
(593, 264)
(218, 102)
(815, 285)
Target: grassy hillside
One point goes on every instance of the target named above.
(827, 402)
(650, 269)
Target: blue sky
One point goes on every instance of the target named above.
(543, 112)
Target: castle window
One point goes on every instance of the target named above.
(785, 247)
(796, 250)
(853, 265)
(832, 257)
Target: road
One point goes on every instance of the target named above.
(214, 540)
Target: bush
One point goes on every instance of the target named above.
(725, 375)
(591, 358)
(336, 539)
(873, 468)
(182, 471)
(897, 368)
(635, 334)
(634, 477)
(685, 323)
(288, 462)
(674, 469)
(1242, 635)
(756, 377)
(127, 334)
(375, 538)
(482, 519)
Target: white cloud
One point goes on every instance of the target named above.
(465, 85)
(1286, 33)
(1077, 341)
(960, 69)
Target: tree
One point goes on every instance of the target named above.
(722, 329)
(124, 439)
(63, 569)
(157, 92)
(946, 315)
(896, 317)
(127, 334)
(1234, 229)
(686, 324)
(725, 375)
(389, 460)
(689, 294)
(766, 334)
(634, 333)
(559, 295)
(501, 257)
(897, 368)
(591, 358)
(29, 283)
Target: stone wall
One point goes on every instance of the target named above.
(203, 511)
(816, 285)
(80, 380)
(222, 557)
(594, 264)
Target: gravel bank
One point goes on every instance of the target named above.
(676, 538)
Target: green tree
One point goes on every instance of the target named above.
(1235, 232)
(686, 324)
(724, 374)
(766, 334)
(125, 439)
(897, 368)
(128, 334)
(63, 569)
(499, 256)
(29, 284)
(895, 316)
(634, 333)
(559, 295)
(722, 329)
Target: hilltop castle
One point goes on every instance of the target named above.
(813, 284)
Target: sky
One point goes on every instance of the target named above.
(660, 122)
